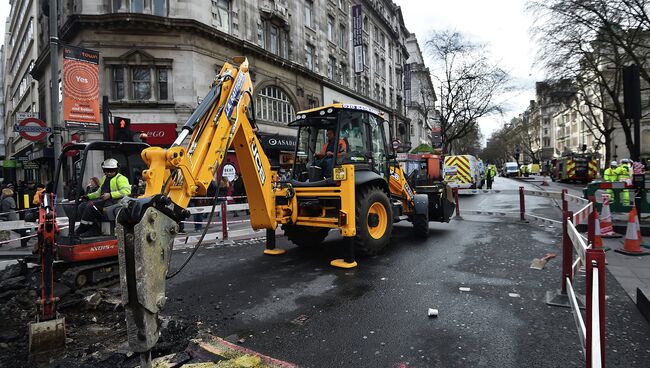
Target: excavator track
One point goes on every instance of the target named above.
(92, 275)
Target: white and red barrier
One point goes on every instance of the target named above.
(591, 333)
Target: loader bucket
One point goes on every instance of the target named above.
(46, 337)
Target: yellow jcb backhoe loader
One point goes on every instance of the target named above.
(342, 179)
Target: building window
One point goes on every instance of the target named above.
(343, 37)
(118, 83)
(365, 86)
(330, 28)
(155, 7)
(331, 66)
(163, 93)
(365, 58)
(138, 83)
(309, 56)
(309, 12)
(261, 37)
(273, 105)
(274, 38)
(221, 15)
(343, 73)
(141, 79)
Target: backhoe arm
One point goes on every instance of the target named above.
(146, 226)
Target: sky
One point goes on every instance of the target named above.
(502, 25)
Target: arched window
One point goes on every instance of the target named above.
(273, 105)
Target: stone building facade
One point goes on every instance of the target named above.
(157, 59)
(420, 96)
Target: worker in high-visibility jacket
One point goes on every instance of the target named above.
(490, 174)
(611, 175)
(112, 188)
(624, 174)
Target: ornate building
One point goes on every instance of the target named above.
(157, 59)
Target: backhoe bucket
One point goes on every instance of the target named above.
(46, 337)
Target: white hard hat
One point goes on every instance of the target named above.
(110, 163)
(613, 163)
(625, 161)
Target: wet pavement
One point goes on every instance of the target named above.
(298, 309)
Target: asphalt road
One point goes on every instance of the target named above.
(298, 309)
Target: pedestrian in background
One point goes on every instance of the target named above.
(93, 185)
(8, 213)
(238, 191)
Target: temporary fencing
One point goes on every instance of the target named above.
(591, 333)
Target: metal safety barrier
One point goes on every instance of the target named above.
(591, 333)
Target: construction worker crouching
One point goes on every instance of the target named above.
(624, 174)
(112, 188)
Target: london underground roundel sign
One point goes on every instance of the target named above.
(33, 129)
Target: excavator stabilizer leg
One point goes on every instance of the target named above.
(144, 255)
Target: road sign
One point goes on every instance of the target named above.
(32, 129)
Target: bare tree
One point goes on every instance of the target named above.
(590, 41)
(469, 84)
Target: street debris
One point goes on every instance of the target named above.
(432, 312)
(300, 320)
(513, 295)
(465, 289)
(539, 263)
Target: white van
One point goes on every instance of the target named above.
(510, 169)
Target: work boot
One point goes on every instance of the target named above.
(82, 229)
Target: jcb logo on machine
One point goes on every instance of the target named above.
(394, 174)
(258, 162)
(408, 190)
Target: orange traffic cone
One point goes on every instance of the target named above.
(545, 182)
(606, 225)
(598, 241)
(632, 244)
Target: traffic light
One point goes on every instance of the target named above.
(122, 129)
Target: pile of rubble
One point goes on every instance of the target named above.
(95, 327)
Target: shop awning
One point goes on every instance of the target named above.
(277, 142)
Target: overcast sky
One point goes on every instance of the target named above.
(502, 25)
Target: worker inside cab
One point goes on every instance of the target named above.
(112, 188)
(325, 158)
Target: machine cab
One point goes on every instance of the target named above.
(335, 135)
(88, 156)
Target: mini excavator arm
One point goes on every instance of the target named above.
(146, 226)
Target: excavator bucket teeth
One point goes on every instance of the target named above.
(144, 255)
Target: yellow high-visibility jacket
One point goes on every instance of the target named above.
(119, 184)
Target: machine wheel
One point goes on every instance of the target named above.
(374, 219)
(305, 236)
(421, 225)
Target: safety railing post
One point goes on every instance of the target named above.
(522, 204)
(224, 220)
(455, 190)
(565, 203)
(595, 258)
(567, 250)
(591, 224)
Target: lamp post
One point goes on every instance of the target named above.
(54, 92)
